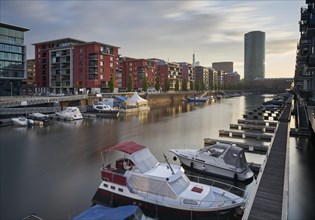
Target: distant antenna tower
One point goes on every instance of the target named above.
(193, 61)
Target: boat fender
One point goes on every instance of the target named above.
(235, 176)
(174, 158)
(191, 164)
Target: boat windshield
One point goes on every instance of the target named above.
(179, 185)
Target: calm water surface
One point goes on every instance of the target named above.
(54, 171)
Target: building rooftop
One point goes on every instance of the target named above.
(60, 40)
(80, 42)
(13, 27)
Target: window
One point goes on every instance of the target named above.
(102, 63)
(111, 64)
(112, 187)
(11, 40)
(111, 58)
(105, 185)
(120, 190)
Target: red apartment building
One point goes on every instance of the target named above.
(169, 72)
(67, 65)
(138, 68)
(188, 74)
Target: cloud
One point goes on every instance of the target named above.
(162, 29)
(281, 46)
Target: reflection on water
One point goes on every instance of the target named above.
(301, 178)
(55, 170)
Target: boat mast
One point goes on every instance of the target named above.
(168, 164)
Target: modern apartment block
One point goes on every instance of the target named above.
(226, 67)
(169, 73)
(254, 52)
(138, 68)
(12, 59)
(30, 72)
(231, 79)
(305, 58)
(28, 87)
(202, 77)
(70, 65)
(215, 79)
(188, 74)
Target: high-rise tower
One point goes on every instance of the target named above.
(254, 55)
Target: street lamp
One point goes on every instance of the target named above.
(11, 88)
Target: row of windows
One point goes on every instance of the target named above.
(11, 40)
(10, 32)
(11, 65)
(11, 56)
(11, 48)
(113, 187)
(12, 73)
(92, 63)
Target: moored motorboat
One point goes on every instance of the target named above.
(220, 159)
(22, 121)
(103, 109)
(197, 99)
(99, 212)
(36, 116)
(70, 114)
(132, 175)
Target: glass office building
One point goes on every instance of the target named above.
(254, 55)
(12, 59)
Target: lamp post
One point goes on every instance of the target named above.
(11, 88)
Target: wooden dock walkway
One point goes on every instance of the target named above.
(271, 199)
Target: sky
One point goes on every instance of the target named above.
(165, 29)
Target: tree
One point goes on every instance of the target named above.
(167, 85)
(157, 85)
(145, 84)
(184, 85)
(130, 83)
(197, 86)
(177, 85)
(111, 83)
(192, 85)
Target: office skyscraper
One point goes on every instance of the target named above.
(254, 55)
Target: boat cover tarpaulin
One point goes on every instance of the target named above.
(99, 212)
(126, 147)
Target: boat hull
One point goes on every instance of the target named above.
(105, 197)
(197, 100)
(215, 170)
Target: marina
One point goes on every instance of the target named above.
(77, 151)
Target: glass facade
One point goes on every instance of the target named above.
(254, 56)
(12, 59)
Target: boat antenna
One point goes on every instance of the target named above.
(168, 164)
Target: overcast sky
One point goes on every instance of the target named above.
(169, 30)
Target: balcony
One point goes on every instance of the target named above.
(93, 56)
(93, 63)
(310, 31)
(311, 61)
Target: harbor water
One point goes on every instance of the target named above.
(54, 170)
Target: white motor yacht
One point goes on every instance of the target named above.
(132, 175)
(22, 121)
(221, 159)
(70, 114)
